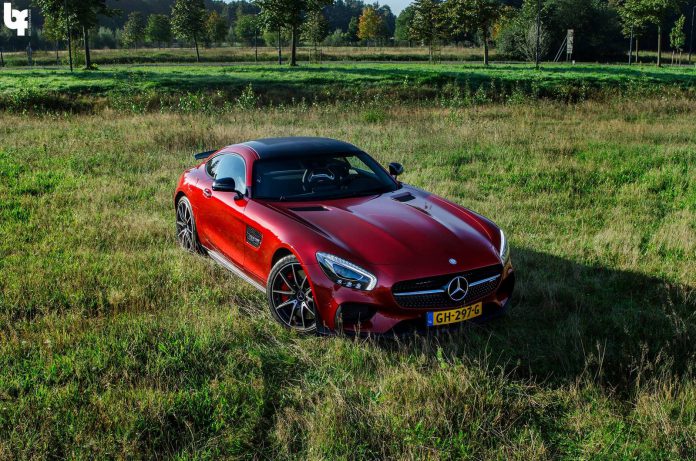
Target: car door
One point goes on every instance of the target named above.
(225, 227)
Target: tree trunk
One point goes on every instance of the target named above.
(57, 57)
(88, 57)
(485, 48)
(198, 54)
(280, 50)
(637, 55)
(293, 53)
(659, 46)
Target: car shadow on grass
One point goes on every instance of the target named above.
(569, 320)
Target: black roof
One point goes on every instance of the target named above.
(291, 146)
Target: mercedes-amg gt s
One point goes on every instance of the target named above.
(337, 242)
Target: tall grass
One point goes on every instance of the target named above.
(249, 54)
(116, 344)
(156, 87)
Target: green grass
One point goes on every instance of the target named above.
(248, 54)
(116, 344)
(30, 87)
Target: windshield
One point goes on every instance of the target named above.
(319, 177)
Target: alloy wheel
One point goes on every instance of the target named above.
(185, 226)
(291, 298)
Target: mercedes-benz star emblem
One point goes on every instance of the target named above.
(458, 288)
(453, 261)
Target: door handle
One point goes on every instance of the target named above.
(208, 193)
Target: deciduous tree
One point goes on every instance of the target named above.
(52, 31)
(246, 28)
(369, 24)
(403, 24)
(134, 29)
(428, 25)
(188, 21)
(677, 37)
(289, 13)
(315, 28)
(80, 15)
(473, 16)
(216, 27)
(650, 12)
(159, 29)
(352, 31)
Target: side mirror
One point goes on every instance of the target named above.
(395, 169)
(227, 185)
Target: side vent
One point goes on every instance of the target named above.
(253, 237)
(407, 197)
(308, 208)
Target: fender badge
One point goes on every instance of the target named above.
(452, 261)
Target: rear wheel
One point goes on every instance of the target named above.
(290, 296)
(186, 233)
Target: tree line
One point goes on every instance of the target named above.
(600, 26)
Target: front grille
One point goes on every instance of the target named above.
(441, 299)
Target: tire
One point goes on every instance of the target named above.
(290, 296)
(186, 232)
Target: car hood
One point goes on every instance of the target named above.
(401, 227)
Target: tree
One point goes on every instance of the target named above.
(473, 16)
(159, 29)
(402, 31)
(428, 24)
(652, 12)
(369, 24)
(216, 27)
(52, 31)
(188, 18)
(677, 37)
(388, 21)
(75, 16)
(315, 28)
(632, 20)
(529, 45)
(352, 30)
(291, 14)
(134, 30)
(246, 29)
(341, 12)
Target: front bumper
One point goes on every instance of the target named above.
(377, 311)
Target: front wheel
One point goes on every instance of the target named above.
(290, 296)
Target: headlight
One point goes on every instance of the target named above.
(346, 273)
(504, 248)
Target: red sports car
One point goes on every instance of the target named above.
(337, 242)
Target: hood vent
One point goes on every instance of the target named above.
(407, 197)
(308, 208)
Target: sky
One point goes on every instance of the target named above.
(396, 5)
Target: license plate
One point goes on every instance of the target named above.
(454, 315)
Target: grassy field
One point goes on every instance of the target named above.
(248, 54)
(209, 87)
(116, 344)
(244, 54)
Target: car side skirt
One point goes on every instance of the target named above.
(230, 266)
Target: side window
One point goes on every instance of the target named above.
(212, 164)
(360, 167)
(229, 166)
